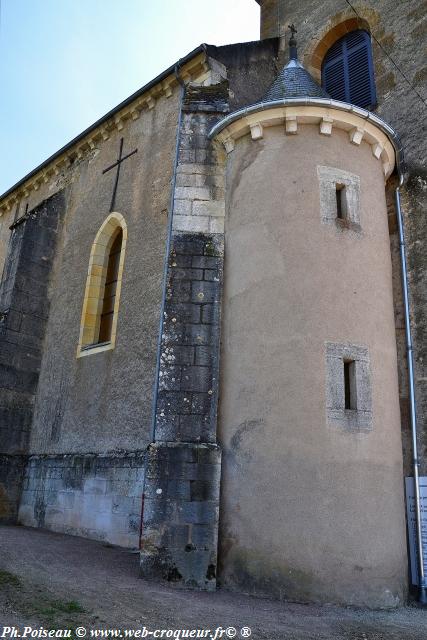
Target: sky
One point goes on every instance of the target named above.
(65, 63)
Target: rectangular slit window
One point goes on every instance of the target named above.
(341, 202)
(350, 397)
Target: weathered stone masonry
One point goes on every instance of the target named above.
(24, 308)
(181, 505)
(98, 496)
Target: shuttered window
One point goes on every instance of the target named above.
(348, 72)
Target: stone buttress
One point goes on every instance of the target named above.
(181, 497)
(24, 309)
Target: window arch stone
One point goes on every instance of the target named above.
(95, 286)
(336, 28)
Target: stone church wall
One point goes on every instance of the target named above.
(92, 413)
(24, 309)
(97, 497)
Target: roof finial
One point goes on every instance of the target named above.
(293, 55)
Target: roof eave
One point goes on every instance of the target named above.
(169, 71)
(324, 102)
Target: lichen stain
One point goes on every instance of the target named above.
(256, 574)
(243, 162)
(40, 511)
(4, 503)
(239, 450)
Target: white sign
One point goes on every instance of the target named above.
(412, 524)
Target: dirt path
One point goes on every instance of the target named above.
(63, 582)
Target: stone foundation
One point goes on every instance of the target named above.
(93, 496)
(181, 510)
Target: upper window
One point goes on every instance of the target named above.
(348, 71)
(102, 295)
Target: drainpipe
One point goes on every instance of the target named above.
(422, 585)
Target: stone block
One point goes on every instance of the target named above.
(197, 513)
(196, 378)
(216, 225)
(204, 292)
(189, 245)
(210, 209)
(196, 224)
(182, 207)
(95, 485)
(192, 193)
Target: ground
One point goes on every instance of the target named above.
(63, 582)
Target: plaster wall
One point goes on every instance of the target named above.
(306, 506)
(400, 32)
(102, 401)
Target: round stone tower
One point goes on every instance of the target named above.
(312, 490)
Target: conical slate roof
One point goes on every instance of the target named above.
(294, 82)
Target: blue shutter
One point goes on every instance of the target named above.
(348, 72)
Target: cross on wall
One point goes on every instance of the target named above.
(117, 164)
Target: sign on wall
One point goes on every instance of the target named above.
(411, 518)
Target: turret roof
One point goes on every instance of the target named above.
(294, 81)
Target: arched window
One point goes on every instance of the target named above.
(102, 295)
(348, 71)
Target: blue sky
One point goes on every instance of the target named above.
(64, 63)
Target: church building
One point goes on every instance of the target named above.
(205, 326)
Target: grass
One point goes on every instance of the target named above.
(49, 611)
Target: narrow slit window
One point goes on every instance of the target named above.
(341, 201)
(107, 313)
(350, 397)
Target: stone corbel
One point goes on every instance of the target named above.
(386, 168)
(135, 113)
(291, 124)
(326, 125)
(104, 133)
(166, 88)
(229, 145)
(119, 123)
(186, 77)
(377, 150)
(256, 131)
(356, 135)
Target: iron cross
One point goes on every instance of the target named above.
(117, 164)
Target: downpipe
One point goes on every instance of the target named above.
(168, 245)
(422, 586)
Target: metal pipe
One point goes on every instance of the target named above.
(422, 586)
(166, 261)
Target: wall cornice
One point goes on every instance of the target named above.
(361, 125)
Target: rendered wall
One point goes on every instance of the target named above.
(400, 39)
(309, 509)
(93, 414)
